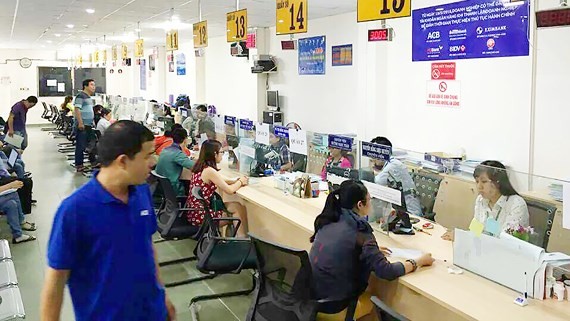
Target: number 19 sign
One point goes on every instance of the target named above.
(291, 16)
(369, 10)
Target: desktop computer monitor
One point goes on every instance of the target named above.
(273, 100)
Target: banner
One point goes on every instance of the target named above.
(470, 29)
(312, 55)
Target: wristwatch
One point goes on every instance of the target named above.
(414, 264)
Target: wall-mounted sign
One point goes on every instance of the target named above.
(369, 10)
(172, 40)
(104, 53)
(236, 25)
(340, 142)
(312, 55)
(96, 56)
(443, 93)
(291, 16)
(281, 131)
(342, 55)
(139, 48)
(553, 18)
(384, 34)
(200, 33)
(375, 151)
(443, 71)
(246, 124)
(288, 45)
(466, 30)
(251, 40)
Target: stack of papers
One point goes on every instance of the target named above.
(555, 190)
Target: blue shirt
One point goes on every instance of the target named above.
(107, 246)
(85, 104)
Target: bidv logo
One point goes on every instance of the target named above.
(434, 35)
(459, 48)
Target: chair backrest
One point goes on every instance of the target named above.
(169, 216)
(285, 288)
(427, 185)
(385, 313)
(5, 250)
(541, 218)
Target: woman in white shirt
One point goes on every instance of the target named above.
(105, 120)
(497, 198)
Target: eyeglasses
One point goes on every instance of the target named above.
(221, 152)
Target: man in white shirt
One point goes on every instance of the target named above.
(105, 120)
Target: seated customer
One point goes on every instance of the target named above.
(105, 120)
(497, 198)
(161, 142)
(337, 158)
(11, 207)
(172, 160)
(281, 157)
(205, 175)
(345, 252)
(394, 171)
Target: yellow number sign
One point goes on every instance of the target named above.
(124, 51)
(201, 34)
(291, 16)
(96, 56)
(105, 55)
(236, 25)
(172, 40)
(139, 48)
(369, 10)
(114, 53)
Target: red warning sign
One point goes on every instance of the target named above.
(443, 71)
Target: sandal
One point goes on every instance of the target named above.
(27, 226)
(23, 239)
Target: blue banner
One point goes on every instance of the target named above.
(230, 120)
(312, 55)
(281, 131)
(340, 142)
(470, 29)
(246, 124)
(375, 151)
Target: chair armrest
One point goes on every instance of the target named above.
(229, 219)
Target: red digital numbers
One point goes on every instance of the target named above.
(553, 18)
(378, 35)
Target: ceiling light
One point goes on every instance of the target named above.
(70, 26)
(90, 11)
(49, 41)
(57, 34)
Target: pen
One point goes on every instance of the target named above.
(421, 230)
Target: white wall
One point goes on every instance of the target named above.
(24, 82)
(182, 84)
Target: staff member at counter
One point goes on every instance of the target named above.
(394, 170)
(282, 159)
(497, 200)
(345, 252)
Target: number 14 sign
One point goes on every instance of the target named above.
(291, 16)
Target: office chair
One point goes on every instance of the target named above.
(285, 290)
(5, 250)
(12, 305)
(385, 313)
(219, 255)
(427, 186)
(541, 218)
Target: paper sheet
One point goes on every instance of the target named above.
(52, 82)
(12, 158)
(566, 209)
(262, 134)
(298, 141)
(219, 124)
(15, 140)
(476, 227)
(407, 254)
(61, 87)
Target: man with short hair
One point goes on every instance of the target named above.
(83, 121)
(101, 239)
(17, 120)
(173, 160)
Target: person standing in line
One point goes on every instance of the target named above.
(17, 120)
(101, 239)
(83, 121)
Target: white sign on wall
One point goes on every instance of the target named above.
(443, 93)
(219, 124)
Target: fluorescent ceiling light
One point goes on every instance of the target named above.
(70, 26)
(137, 30)
(57, 34)
(49, 41)
(90, 11)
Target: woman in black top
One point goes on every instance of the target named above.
(345, 252)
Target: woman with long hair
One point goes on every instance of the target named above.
(67, 105)
(345, 252)
(206, 176)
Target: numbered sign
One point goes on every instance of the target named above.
(172, 40)
(139, 48)
(80, 60)
(104, 59)
(114, 53)
(124, 51)
(96, 58)
(262, 134)
(236, 25)
(201, 34)
(369, 10)
(298, 141)
(91, 58)
(291, 16)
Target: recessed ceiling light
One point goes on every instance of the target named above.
(90, 11)
(137, 30)
(49, 41)
(70, 26)
(57, 34)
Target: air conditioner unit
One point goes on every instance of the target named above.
(263, 64)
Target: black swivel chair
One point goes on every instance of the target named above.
(541, 218)
(285, 290)
(385, 313)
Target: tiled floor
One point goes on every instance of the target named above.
(54, 180)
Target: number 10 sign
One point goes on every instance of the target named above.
(291, 16)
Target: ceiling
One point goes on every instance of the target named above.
(30, 24)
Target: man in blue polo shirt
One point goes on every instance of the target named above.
(84, 115)
(101, 239)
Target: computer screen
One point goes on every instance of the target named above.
(273, 99)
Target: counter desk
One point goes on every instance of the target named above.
(429, 294)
